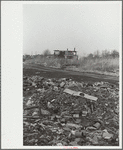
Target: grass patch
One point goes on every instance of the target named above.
(109, 65)
(100, 64)
(50, 62)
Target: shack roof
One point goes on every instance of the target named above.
(66, 50)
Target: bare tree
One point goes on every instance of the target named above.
(46, 52)
(90, 55)
(96, 54)
(115, 54)
(105, 53)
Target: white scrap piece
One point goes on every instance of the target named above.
(74, 93)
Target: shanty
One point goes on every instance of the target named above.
(68, 54)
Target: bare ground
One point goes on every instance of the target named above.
(33, 69)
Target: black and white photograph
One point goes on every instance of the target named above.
(71, 74)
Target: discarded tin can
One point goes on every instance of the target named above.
(59, 144)
(84, 113)
(91, 128)
(45, 112)
(107, 135)
(58, 117)
(53, 100)
(29, 102)
(97, 125)
(106, 104)
(49, 105)
(55, 88)
(71, 125)
(76, 115)
(63, 120)
(33, 84)
(62, 84)
(80, 133)
(75, 111)
(35, 114)
(66, 129)
(73, 132)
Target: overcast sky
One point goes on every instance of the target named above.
(87, 27)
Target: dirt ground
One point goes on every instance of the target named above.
(31, 69)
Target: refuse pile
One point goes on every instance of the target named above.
(63, 112)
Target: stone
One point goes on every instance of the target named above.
(35, 114)
(77, 139)
(45, 112)
(94, 140)
(62, 84)
(107, 135)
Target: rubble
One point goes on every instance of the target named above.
(63, 112)
(107, 135)
(97, 125)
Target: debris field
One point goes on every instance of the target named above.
(64, 112)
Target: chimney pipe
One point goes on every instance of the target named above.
(74, 49)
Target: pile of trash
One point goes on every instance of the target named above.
(63, 112)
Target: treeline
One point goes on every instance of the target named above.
(45, 53)
(105, 61)
(103, 54)
(27, 56)
(96, 54)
